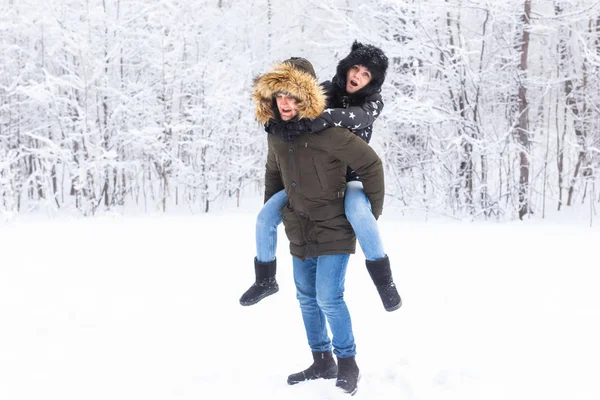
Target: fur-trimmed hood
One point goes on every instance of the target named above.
(293, 78)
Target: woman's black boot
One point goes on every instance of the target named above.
(381, 274)
(265, 284)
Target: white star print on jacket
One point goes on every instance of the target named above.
(359, 119)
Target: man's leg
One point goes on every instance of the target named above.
(331, 274)
(330, 280)
(305, 278)
(323, 366)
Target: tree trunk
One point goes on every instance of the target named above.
(522, 128)
(560, 139)
(483, 158)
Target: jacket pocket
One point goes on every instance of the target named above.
(337, 229)
(330, 223)
(321, 173)
(325, 209)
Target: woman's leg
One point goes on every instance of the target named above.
(358, 212)
(265, 265)
(267, 221)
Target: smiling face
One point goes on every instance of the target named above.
(357, 78)
(287, 106)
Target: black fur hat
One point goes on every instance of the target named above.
(370, 57)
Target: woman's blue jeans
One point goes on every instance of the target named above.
(358, 212)
(320, 291)
(267, 221)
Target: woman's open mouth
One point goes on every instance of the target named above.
(353, 83)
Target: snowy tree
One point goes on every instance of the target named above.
(491, 108)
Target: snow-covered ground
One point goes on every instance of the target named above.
(146, 307)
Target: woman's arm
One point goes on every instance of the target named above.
(353, 118)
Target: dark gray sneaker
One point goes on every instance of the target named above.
(323, 367)
(348, 375)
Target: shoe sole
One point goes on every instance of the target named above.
(306, 380)
(394, 308)
(266, 294)
(352, 393)
(356, 389)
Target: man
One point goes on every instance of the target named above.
(354, 102)
(311, 168)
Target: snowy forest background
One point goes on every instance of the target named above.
(491, 107)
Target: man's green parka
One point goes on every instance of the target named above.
(312, 167)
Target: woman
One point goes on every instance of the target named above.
(354, 102)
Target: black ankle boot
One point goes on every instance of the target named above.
(265, 284)
(323, 367)
(381, 274)
(348, 375)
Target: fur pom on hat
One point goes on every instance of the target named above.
(370, 57)
(296, 77)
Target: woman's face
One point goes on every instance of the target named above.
(357, 78)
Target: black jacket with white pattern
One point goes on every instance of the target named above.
(355, 112)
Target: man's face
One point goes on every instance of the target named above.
(357, 78)
(288, 106)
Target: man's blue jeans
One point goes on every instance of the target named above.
(320, 291)
(358, 212)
